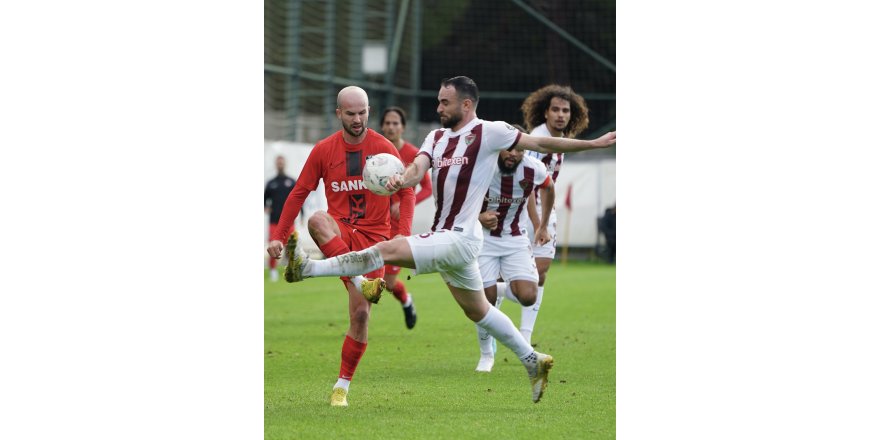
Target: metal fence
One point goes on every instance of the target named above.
(399, 50)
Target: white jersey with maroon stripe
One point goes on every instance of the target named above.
(462, 165)
(553, 161)
(508, 194)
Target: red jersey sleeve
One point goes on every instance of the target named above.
(407, 202)
(408, 154)
(425, 188)
(407, 209)
(307, 182)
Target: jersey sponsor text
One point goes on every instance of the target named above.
(348, 185)
(448, 162)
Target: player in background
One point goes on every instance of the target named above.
(355, 219)
(276, 192)
(507, 250)
(551, 111)
(463, 157)
(393, 124)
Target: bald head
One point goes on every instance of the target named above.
(353, 110)
(352, 96)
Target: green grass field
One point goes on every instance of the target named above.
(421, 383)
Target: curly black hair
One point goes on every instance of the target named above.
(538, 102)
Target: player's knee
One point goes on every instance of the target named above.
(527, 295)
(321, 225)
(389, 249)
(541, 277)
(474, 315)
(390, 280)
(319, 220)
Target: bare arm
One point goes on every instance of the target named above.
(563, 145)
(532, 210)
(548, 198)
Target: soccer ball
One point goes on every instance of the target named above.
(378, 169)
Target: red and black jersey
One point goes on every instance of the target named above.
(408, 154)
(341, 165)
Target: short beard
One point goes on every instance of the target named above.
(351, 132)
(504, 169)
(451, 121)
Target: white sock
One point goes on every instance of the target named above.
(530, 361)
(342, 383)
(357, 280)
(529, 316)
(501, 327)
(350, 264)
(499, 294)
(408, 300)
(505, 292)
(485, 341)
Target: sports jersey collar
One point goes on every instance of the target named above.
(466, 128)
(354, 147)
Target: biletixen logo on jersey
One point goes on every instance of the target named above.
(502, 199)
(448, 162)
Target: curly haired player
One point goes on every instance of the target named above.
(551, 111)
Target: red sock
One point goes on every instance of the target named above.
(399, 291)
(272, 263)
(351, 355)
(334, 247)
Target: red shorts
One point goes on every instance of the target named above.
(358, 239)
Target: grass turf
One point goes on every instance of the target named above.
(421, 383)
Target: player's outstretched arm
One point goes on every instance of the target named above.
(563, 145)
(411, 176)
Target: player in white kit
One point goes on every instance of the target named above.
(463, 158)
(551, 111)
(507, 251)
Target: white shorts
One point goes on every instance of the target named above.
(548, 250)
(508, 256)
(451, 254)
